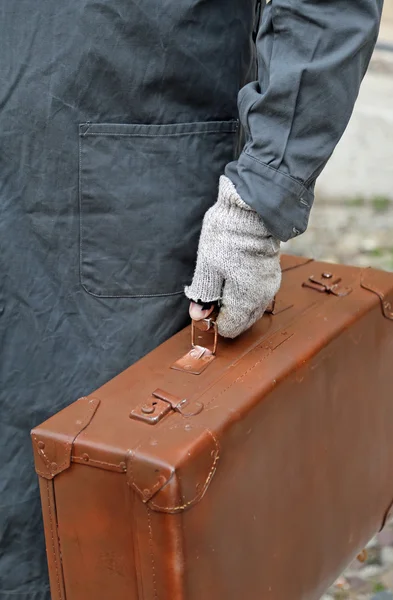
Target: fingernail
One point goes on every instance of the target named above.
(197, 312)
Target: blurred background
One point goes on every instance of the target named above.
(352, 222)
(352, 219)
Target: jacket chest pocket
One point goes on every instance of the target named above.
(143, 192)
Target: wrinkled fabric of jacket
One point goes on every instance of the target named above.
(117, 118)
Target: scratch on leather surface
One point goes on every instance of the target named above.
(93, 462)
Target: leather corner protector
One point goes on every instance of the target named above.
(53, 440)
(173, 473)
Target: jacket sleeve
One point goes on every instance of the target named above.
(312, 56)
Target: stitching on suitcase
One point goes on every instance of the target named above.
(199, 496)
(68, 446)
(152, 553)
(248, 371)
(261, 359)
(256, 347)
(131, 463)
(53, 541)
(159, 485)
(43, 474)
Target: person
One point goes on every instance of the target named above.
(118, 120)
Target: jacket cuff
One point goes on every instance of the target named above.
(283, 202)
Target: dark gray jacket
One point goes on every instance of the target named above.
(116, 119)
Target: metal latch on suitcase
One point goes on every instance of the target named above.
(327, 283)
(160, 404)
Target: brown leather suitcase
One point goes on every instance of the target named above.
(261, 477)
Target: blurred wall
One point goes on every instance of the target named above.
(362, 164)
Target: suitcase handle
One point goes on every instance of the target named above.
(199, 357)
(209, 324)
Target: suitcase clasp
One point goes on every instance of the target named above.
(327, 283)
(160, 404)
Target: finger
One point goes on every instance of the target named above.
(234, 316)
(197, 312)
(244, 301)
(206, 285)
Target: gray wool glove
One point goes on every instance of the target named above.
(238, 262)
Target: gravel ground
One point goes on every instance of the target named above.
(372, 579)
(356, 232)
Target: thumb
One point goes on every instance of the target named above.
(198, 312)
